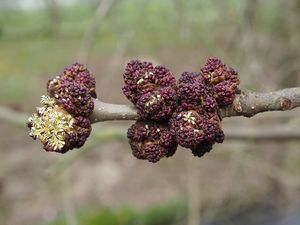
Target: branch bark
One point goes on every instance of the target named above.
(106, 112)
(246, 104)
(274, 134)
(250, 103)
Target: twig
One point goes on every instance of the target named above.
(246, 104)
(262, 134)
(13, 117)
(272, 171)
(106, 111)
(250, 103)
(92, 28)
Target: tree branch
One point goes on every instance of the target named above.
(250, 103)
(278, 134)
(113, 112)
(247, 104)
(106, 111)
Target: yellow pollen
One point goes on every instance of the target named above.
(188, 117)
(52, 124)
(154, 99)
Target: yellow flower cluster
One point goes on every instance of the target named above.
(51, 124)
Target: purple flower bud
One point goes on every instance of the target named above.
(153, 152)
(157, 105)
(75, 98)
(151, 141)
(58, 130)
(194, 89)
(137, 132)
(214, 70)
(78, 135)
(193, 128)
(202, 148)
(224, 79)
(188, 77)
(75, 73)
(151, 89)
(188, 127)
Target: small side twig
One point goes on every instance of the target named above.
(13, 117)
(92, 28)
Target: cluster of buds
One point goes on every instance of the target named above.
(193, 89)
(62, 123)
(74, 90)
(195, 123)
(151, 141)
(75, 73)
(196, 129)
(190, 108)
(170, 113)
(224, 79)
(58, 130)
(151, 89)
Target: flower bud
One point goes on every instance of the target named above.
(58, 130)
(196, 128)
(75, 73)
(74, 98)
(151, 141)
(224, 79)
(151, 89)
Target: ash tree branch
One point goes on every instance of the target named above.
(277, 134)
(106, 112)
(111, 112)
(247, 104)
(250, 103)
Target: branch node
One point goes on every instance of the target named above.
(285, 104)
(237, 106)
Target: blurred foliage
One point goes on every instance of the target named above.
(173, 212)
(259, 37)
(31, 47)
(164, 18)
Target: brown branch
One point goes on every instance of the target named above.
(106, 111)
(250, 103)
(247, 104)
(112, 112)
(262, 134)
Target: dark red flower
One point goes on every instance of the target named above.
(74, 98)
(75, 73)
(157, 105)
(194, 127)
(194, 89)
(151, 141)
(224, 79)
(151, 89)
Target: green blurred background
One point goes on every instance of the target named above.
(239, 182)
